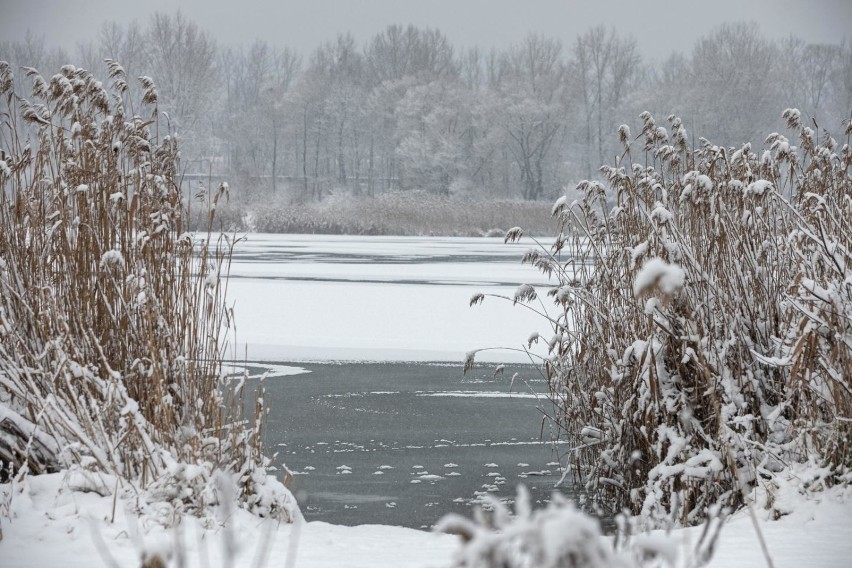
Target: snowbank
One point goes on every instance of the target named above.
(52, 524)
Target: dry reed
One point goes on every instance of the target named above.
(401, 213)
(703, 338)
(112, 316)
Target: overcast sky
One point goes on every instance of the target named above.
(660, 26)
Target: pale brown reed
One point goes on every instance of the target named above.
(676, 401)
(113, 324)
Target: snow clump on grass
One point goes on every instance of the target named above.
(559, 536)
(656, 272)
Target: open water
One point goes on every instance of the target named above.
(405, 443)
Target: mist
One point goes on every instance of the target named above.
(466, 104)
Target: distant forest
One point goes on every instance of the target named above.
(407, 111)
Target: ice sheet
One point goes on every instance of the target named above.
(302, 298)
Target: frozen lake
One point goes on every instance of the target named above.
(383, 427)
(315, 297)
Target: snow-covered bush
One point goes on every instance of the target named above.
(112, 317)
(560, 536)
(703, 332)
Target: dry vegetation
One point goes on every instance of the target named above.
(402, 213)
(559, 536)
(704, 333)
(112, 317)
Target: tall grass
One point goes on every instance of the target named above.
(402, 213)
(560, 536)
(703, 336)
(112, 316)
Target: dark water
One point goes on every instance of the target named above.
(371, 445)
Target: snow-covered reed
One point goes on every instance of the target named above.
(704, 336)
(112, 317)
(411, 213)
(559, 536)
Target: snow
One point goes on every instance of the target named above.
(759, 187)
(661, 215)
(815, 534)
(657, 272)
(482, 394)
(637, 252)
(267, 371)
(524, 293)
(316, 298)
(112, 258)
(51, 524)
(560, 204)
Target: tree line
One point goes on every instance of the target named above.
(407, 110)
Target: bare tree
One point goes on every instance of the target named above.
(606, 68)
(472, 69)
(254, 118)
(436, 122)
(127, 45)
(182, 57)
(340, 66)
(733, 91)
(406, 110)
(32, 51)
(841, 83)
(805, 72)
(400, 52)
(530, 90)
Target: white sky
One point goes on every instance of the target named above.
(660, 26)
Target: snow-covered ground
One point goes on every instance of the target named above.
(816, 534)
(53, 525)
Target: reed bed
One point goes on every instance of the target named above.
(113, 325)
(703, 336)
(401, 213)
